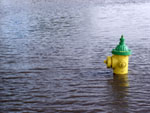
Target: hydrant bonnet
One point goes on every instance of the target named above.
(121, 49)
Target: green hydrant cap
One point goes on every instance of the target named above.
(121, 49)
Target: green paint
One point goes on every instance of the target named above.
(121, 49)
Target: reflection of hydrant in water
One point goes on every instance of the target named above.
(120, 81)
(119, 61)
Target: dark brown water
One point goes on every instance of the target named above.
(52, 53)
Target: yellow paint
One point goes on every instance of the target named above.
(118, 63)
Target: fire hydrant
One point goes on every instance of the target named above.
(119, 60)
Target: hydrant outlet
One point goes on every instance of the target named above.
(108, 62)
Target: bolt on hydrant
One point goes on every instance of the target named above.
(119, 60)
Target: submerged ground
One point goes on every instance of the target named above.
(52, 53)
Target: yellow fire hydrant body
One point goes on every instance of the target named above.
(119, 61)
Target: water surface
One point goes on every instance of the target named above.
(52, 53)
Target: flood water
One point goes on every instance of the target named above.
(52, 53)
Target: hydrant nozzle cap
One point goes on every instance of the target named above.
(121, 49)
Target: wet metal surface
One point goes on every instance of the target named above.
(52, 53)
